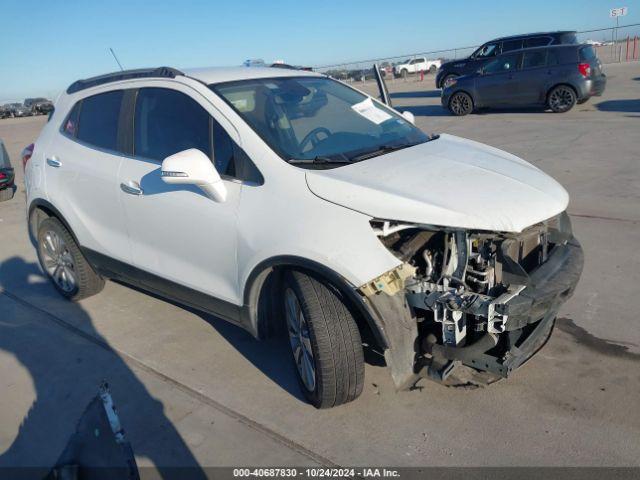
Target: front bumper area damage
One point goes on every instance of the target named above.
(470, 307)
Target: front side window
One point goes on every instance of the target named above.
(511, 45)
(317, 118)
(534, 59)
(502, 64)
(488, 50)
(167, 122)
(98, 121)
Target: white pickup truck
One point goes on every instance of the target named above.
(416, 65)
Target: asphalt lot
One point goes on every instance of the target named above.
(192, 389)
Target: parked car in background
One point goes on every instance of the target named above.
(296, 201)
(558, 77)
(7, 177)
(489, 50)
(43, 107)
(5, 112)
(22, 111)
(415, 65)
(386, 69)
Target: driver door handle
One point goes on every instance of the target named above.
(131, 187)
(54, 162)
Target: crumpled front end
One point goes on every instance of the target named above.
(469, 307)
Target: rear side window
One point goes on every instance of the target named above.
(552, 58)
(510, 45)
(537, 42)
(98, 122)
(168, 122)
(588, 54)
(535, 59)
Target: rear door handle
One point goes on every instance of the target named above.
(131, 187)
(54, 162)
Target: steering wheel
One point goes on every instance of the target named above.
(312, 137)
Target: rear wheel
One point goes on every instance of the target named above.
(433, 69)
(324, 339)
(404, 73)
(561, 99)
(61, 259)
(461, 104)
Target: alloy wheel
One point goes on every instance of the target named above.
(561, 99)
(300, 340)
(57, 261)
(460, 104)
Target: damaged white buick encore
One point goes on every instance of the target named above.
(270, 196)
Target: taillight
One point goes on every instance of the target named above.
(26, 155)
(585, 69)
(3, 176)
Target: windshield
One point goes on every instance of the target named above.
(307, 118)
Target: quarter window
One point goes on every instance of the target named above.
(98, 122)
(70, 126)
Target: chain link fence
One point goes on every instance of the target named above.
(613, 45)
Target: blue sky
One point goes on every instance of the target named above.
(45, 45)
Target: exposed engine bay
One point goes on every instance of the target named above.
(477, 297)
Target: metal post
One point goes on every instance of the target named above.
(627, 53)
(635, 46)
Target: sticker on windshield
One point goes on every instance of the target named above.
(371, 112)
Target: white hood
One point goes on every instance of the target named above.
(450, 181)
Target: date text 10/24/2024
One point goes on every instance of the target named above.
(317, 472)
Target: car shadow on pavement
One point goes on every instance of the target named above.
(67, 358)
(628, 105)
(417, 94)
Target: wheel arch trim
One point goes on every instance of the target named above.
(256, 281)
(47, 207)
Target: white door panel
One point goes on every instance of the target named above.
(84, 188)
(180, 234)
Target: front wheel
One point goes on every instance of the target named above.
(404, 73)
(325, 341)
(561, 99)
(461, 104)
(433, 69)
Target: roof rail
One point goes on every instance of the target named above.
(159, 72)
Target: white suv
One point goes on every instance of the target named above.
(277, 197)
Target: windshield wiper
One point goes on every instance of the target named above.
(381, 150)
(319, 160)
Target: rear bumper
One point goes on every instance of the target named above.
(593, 87)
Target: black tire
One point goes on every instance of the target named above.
(447, 78)
(6, 194)
(561, 99)
(334, 338)
(87, 281)
(433, 69)
(460, 104)
(404, 73)
(583, 100)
